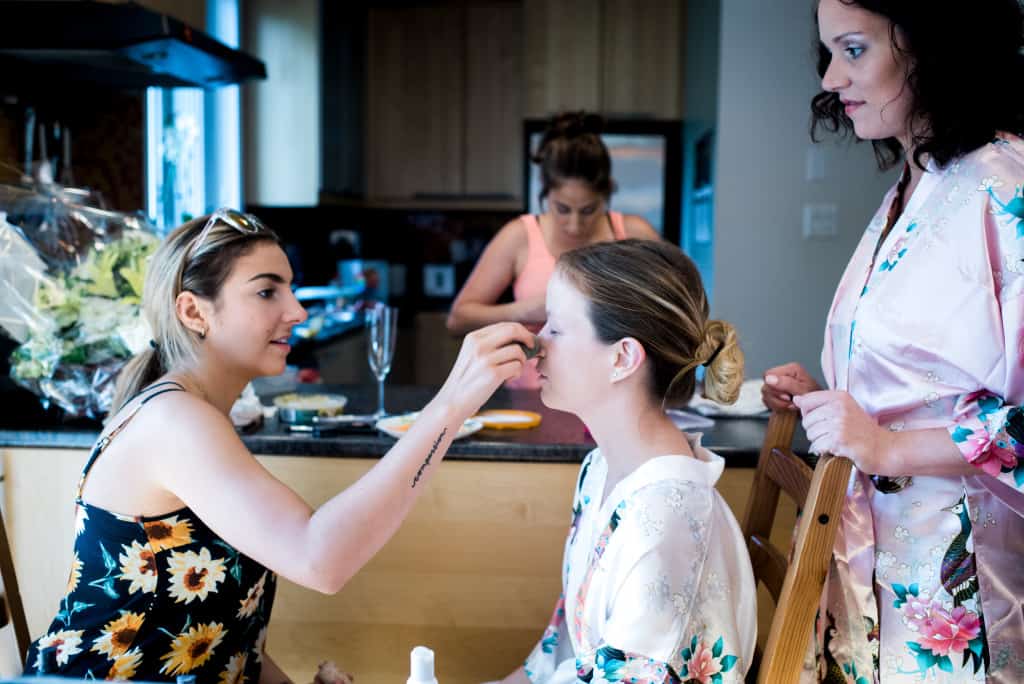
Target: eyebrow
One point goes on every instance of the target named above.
(269, 276)
(846, 35)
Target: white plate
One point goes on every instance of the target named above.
(396, 426)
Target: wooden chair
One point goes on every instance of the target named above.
(795, 585)
(12, 611)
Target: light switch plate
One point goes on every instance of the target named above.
(820, 221)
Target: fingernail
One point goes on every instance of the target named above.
(771, 379)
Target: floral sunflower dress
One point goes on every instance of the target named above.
(155, 597)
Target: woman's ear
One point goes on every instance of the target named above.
(193, 313)
(629, 355)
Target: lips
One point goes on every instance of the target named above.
(850, 106)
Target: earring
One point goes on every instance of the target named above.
(202, 334)
(617, 374)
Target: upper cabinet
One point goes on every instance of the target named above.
(449, 84)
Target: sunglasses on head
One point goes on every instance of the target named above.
(242, 222)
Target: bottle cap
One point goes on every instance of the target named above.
(421, 666)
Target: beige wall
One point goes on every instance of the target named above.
(281, 115)
(775, 286)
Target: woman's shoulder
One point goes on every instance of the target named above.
(638, 227)
(1002, 158)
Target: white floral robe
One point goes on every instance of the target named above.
(657, 583)
(927, 580)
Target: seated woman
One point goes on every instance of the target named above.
(576, 188)
(657, 583)
(180, 530)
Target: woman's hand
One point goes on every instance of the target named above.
(836, 424)
(782, 383)
(488, 357)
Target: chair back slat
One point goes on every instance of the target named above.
(801, 591)
(795, 585)
(790, 473)
(769, 565)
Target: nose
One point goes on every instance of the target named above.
(835, 78)
(296, 313)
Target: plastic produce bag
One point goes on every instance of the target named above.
(72, 279)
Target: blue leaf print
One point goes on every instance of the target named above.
(961, 434)
(945, 664)
(550, 642)
(107, 585)
(716, 650)
(108, 560)
(727, 662)
(716, 678)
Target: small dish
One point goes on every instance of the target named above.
(508, 419)
(396, 426)
(300, 409)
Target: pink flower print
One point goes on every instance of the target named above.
(917, 609)
(703, 665)
(945, 632)
(991, 460)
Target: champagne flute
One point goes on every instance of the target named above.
(381, 331)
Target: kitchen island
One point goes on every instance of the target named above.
(473, 573)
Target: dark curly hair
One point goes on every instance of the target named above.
(965, 76)
(572, 148)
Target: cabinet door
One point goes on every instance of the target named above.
(494, 98)
(415, 95)
(563, 56)
(642, 57)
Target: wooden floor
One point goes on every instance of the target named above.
(472, 574)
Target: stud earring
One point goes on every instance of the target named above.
(202, 334)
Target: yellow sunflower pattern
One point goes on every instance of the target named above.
(125, 665)
(75, 574)
(194, 575)
(252, 601)
(261, 643)
(191, 649)
(169, 533)
(81, 517)
(138, 566)
(117, 636)
(234, 673)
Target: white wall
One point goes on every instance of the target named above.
(281, 115)
(775, 286)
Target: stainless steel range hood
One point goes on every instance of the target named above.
(123, 45)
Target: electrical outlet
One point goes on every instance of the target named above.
(439, 280)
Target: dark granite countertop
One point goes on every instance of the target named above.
(560, 438)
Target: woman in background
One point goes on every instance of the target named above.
(576, 186)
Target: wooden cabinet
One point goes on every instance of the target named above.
(618, 58)
(415, 105)
(449, 83)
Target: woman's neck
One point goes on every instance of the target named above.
(628, 438)
(216, 384)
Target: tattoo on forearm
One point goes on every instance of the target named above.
(426, 462)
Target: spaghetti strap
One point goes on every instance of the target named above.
(106, 439)
(146, 389)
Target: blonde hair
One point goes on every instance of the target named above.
(650, 291)
(180, 265)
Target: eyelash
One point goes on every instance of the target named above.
(265, 294)
(853, 51)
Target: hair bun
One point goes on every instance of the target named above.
(574, 124)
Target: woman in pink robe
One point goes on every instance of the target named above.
(924, 349)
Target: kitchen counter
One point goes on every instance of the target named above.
(560, 438)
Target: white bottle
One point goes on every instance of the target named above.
(421, 666)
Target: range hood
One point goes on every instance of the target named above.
(123, 45)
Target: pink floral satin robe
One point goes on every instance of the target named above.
(927, 580)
